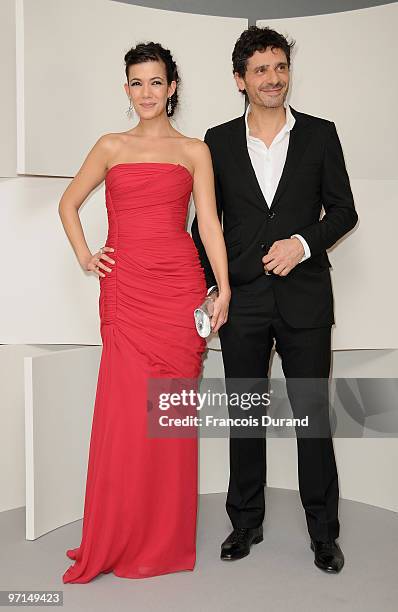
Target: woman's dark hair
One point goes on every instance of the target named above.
(257, 39)
(152, 52)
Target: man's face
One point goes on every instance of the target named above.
(267, 78)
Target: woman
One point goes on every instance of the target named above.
(141, 492)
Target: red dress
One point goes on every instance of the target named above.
(141, 493)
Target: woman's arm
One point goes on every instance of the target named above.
(210, 230)
(91, 174)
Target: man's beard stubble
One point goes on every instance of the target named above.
(278, 100)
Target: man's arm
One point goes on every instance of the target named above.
(337, 199)
(210, 278)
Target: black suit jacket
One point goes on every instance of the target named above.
(314, 176)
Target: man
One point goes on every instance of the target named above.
(275, 168)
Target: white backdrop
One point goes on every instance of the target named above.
(71, 93)
(8, 106)
(74, 74)
(343, 69)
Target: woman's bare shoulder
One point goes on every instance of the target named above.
(196, 147)
(112, 142)
(114, 138)
(197, 151)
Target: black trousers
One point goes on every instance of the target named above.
(253, 325)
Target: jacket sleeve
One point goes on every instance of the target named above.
(210, 278)
(337, 199)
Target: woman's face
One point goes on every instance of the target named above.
(148, 88)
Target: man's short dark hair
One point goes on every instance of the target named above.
(257, 39)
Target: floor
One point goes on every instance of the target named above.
(278, 575)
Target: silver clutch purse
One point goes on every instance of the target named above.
(202, 315)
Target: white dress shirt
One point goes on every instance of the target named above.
(268, 164)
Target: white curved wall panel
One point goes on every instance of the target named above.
(58, 416)
(8, 98)
(46, 297)
(366, 296)
(74, 74)
(342, 70)
(50, 400)
(73, 93)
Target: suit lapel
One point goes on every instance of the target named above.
(298, 140)
(246, 170)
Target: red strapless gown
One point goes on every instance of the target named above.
(141, 493)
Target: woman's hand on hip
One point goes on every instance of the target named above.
(93, 263)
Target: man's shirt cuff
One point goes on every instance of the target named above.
(307, 252)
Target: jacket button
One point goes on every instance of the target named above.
(271, 215)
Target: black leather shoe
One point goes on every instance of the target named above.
(328, 556)
(237, 544)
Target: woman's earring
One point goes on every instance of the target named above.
(130, 110)
(169, 106)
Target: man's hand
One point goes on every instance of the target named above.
(283, 256)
